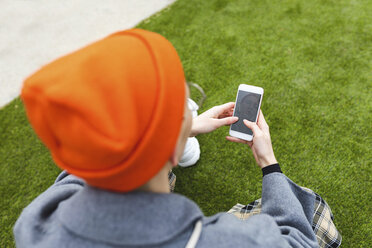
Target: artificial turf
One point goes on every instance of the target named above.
(314, 60)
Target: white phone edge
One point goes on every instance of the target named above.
(253, 89)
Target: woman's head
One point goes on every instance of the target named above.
(113, 112)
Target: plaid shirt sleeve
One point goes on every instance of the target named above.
(325, 230)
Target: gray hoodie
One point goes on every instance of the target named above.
(73, 214)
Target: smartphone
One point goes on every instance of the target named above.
(247, 106)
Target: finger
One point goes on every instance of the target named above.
(226, 114)
(261, 122)
(253, 126)
(224, 108)
(236, 140)
(226, 121)
(228, 105)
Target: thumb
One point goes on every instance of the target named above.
(253, 126)
(227, 121)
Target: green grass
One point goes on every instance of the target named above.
(314, 60)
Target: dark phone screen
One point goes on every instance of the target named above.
(246, 108)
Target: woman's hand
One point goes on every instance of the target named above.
(213, 118)
(261, 143)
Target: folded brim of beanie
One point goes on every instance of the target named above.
(111, 112)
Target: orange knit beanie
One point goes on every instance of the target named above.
(111, 112)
